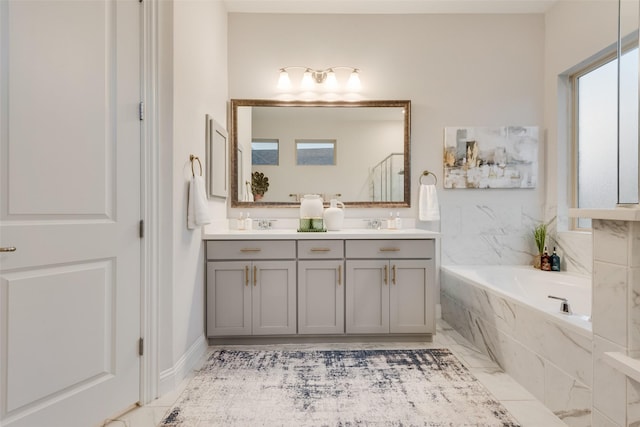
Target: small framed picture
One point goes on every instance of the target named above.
(217, 159)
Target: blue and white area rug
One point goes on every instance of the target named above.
(336, 388)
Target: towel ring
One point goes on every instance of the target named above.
(192, 158)
(427, 173)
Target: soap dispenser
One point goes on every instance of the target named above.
(334, 215)
(391, 223)
(240, 222)
(555, 260)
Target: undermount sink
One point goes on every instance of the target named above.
(373, 230)
(269, 231)
(344, 231)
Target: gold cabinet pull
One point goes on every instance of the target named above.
(8, 249)
(339, 275)
(386, 274)
(250, 250)
(320, 249)
(246, 275)
(255, 276)
(389, 249)
(393, 269)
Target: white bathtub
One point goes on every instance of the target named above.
(533, 287)
(506, 313)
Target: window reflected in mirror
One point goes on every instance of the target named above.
(264, 152)
(315, 152)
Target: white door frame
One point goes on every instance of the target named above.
(150, 203)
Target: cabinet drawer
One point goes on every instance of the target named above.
(251, 249)
(320, 249)
(390, 248)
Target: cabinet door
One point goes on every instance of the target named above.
(274, 297)
(410, 297)
(320, 297)
(228, 298)
(367, 296)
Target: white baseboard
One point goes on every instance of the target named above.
(172, 377)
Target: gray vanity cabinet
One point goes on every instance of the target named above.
(410, 297)
(389, 286)
(251, 288)
(367, 296)
(228, 298)
(320, 287)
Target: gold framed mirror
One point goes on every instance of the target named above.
(357, 152)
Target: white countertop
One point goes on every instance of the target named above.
(285, 234)
(618, 214)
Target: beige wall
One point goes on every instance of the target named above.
(193, 82)
(458, 70)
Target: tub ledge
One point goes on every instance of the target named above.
(623, 363)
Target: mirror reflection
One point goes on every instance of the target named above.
(357, 152)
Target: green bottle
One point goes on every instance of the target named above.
(555, 261)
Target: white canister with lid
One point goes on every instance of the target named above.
(311, 206)
(334, 215)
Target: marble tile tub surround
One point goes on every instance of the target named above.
(616, 314)
(501, 233)
(488, 232)
(577, 251)
(551, 360)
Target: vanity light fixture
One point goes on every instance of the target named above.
(353, 84)
(284, 82)
(326, 77)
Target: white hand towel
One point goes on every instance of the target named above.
(428, 207)
(197, 209)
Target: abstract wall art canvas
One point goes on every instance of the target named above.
(491, 157)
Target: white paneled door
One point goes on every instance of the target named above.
(70, 206)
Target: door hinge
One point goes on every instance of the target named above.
(141, 347)
(141, 228)
(141, 110)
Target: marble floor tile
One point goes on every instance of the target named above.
(522, 405)
(145, 416)
(169, 399)
(532, 413)
(444, 337)
(471, 357)
(500, 384)
(456, 337)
